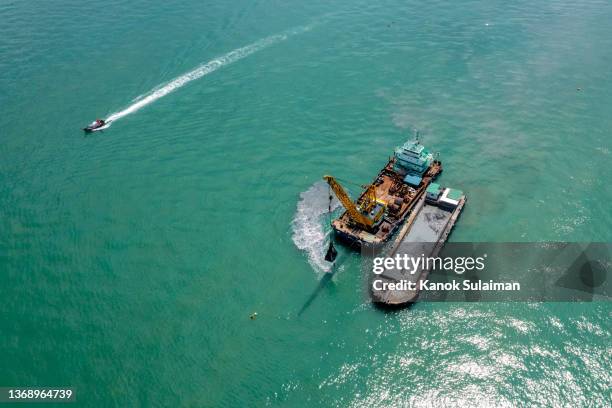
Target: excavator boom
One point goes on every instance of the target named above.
(348, 204)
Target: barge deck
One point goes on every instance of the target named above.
(398, 187)
(423, 234)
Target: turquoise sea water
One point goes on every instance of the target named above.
(131, 259)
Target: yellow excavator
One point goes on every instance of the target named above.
(367, 212)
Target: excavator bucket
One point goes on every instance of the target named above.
(331, 254)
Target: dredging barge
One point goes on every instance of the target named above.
(385, 204)
(403, 197)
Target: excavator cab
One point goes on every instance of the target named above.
(377, 212)
(370, 206)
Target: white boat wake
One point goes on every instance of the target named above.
(310, 228)
(203, 70)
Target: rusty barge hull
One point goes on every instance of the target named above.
(401, 199)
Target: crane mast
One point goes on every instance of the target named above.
(367, 204)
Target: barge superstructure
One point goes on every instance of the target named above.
(385, 204)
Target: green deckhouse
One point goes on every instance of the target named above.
(412, 158)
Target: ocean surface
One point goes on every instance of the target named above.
(131, 259)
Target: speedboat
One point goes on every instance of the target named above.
(96, 125)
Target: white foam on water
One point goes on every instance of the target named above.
(202, 70)
(309, 225)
